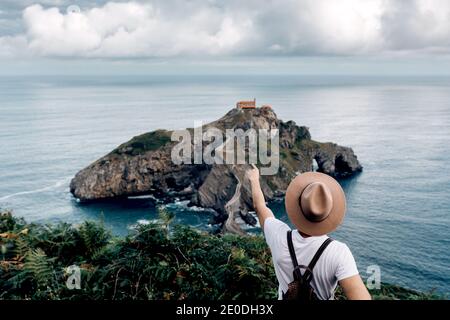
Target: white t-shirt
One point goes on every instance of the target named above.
(336, 262)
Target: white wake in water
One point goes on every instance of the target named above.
(48, 188)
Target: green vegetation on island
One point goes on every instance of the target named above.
(143, 143)
(155, 261)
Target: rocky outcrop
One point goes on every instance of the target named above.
(143, 166)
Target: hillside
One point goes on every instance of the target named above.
(155, 261)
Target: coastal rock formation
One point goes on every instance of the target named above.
(143, 166)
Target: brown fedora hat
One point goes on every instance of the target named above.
(315, 203)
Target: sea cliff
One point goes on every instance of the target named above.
(143, 166)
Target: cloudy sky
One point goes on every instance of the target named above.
(304, 35)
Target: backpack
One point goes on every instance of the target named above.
(300, 288)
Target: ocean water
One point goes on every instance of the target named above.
(398, 208)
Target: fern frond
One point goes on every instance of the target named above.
(21, 248)
(165, 216)
(39, 265)
(94, 237)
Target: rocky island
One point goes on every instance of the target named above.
(143, 166)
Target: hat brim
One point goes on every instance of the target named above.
(294, 209)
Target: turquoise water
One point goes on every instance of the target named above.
(398, 208)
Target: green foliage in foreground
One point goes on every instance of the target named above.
(155, 261)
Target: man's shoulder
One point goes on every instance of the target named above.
(275, 232)
(338, 244)
(274, 223)
(338, 250)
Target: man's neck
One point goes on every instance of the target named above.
(304, 235)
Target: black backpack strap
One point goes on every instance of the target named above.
(309, 270)
(297, 273)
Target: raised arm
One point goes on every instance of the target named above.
(259, 203)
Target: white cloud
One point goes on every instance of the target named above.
(417, 25)
(13, 46)
(132, 29)
(162, 28)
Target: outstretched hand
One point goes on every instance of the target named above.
(259, 203)
(252, 174)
